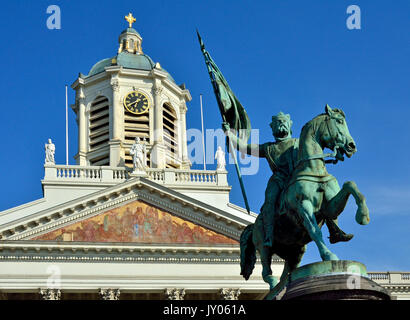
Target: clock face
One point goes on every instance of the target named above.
(136, 102)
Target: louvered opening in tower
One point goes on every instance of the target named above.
(135, 125)
(99, 133)
(170, 134)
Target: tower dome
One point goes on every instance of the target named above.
(130, 55)
(129, 96)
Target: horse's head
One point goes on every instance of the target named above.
(336, 134)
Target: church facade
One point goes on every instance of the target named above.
(132, 220)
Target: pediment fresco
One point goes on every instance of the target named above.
(137, 222)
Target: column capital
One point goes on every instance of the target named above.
(183, 109)
(109, 294)
(115, 84)
(229, 293)
(50, 294)
(80, 93)
(175, 293)
(158, 90)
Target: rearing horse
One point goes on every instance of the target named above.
(311, 196)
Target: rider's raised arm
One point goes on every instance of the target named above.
(251, 149)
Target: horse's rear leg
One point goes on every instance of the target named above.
(266, 259)
(305, 211)
(290, 265)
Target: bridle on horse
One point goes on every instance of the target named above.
(323, 155)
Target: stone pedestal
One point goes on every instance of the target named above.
(333, 280)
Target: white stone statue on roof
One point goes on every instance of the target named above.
(50, 149)
(220, 159)
(139, 155)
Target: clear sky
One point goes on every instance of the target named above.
(293, 56)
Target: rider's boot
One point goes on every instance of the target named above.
(268, 236)
(336, 234)
(268, 221)
(267, 212)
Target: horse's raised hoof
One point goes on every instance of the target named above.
(271, 280)
(362, 215)
(329, 256)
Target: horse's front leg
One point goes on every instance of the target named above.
(337, 199)
(306, 212)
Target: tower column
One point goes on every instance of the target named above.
(82, 129)
(116, 152)
(158, 150)
(186, 164)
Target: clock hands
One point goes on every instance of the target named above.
(138, 100)
(140, 105)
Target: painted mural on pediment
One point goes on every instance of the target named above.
(136, 222)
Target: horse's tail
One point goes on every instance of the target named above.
(248, 252)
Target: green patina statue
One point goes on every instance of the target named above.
(282, 158)
(310, 198)
(301, 195)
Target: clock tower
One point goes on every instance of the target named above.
(128, 96)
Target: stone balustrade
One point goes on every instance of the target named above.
(390, 277)
(74, 173)
(84, 173)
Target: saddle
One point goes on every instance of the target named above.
(319, 179)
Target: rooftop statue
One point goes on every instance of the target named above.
(220, 159)
(50, 150)
(301, 195)
(138, 152)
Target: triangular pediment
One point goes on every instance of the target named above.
(114, 213)
(136, 222)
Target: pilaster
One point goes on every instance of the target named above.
(158, 156)
(118, 111)
(82, 128)
(116, 153)
(158, 151)
(186, 164)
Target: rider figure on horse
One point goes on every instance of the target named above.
(281, 156)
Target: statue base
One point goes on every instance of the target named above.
(332, 280)
(138, 173)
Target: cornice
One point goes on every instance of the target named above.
(120, 71)
(49, 251)
(405, 288)
(95, 78)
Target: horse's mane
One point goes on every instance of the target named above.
(316, 121)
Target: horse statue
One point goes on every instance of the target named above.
(310, 197)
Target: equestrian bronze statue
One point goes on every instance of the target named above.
(301, 196)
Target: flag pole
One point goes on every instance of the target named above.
(228, 141)
(66, 126)
(202, 123)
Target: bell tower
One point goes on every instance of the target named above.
(128, 96)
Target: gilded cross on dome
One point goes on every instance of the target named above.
(130, 19)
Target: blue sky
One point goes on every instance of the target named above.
(293, 56)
